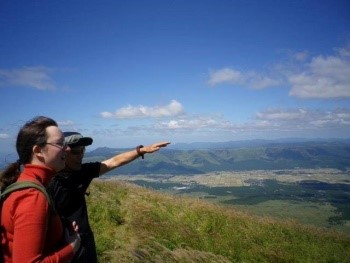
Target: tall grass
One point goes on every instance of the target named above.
(134, 224)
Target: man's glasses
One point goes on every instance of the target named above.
(61, 145)
(77, 151)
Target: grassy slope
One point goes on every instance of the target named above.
(134, 224)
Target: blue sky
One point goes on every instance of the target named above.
(136, 72)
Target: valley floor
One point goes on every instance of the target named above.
(319, 197)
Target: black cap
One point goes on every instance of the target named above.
(74, 139)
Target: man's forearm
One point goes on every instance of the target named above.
(127, 157)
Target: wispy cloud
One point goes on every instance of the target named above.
(305, 118)
(174, 108)
(65, 123)
(282, 115)
(4, 136)
(33, 77)
(300, 56)
(344, 51)
(225, 75)
(239, 78)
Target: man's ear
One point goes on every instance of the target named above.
(37, 151)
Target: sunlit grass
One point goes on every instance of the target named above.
(134, 224)
(304, 212)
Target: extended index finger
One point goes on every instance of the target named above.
(163, 144)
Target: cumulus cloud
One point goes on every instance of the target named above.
(268, 123)
(324, 78)
(34, 77)
(270, 119)
(174, 108)
(195, 123)
(245, 79)
(298, 122)
(317, 77)
(278, 120)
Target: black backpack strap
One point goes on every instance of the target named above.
(27, 184)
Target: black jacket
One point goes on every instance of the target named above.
(68, 192)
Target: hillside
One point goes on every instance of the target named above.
(268, 156)
(134, 224)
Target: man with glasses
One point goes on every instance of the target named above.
(69, 186)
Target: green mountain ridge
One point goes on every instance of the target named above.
(269, 157)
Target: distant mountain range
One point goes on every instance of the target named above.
(253, 143)
(198, 158)
(203, 157)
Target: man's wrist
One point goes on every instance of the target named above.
(138, 150)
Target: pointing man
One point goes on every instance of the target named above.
(68, 187)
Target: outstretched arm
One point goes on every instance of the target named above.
(127, 157)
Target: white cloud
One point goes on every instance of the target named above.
(245, 79)
(320, 77)
(282, 115)
(174, 108)
(277, 120)
(266, 124)
(225, 75)
(324, 78)
(256, 81)
(33, 77)
(195, 123)
(306, 119)
(106, 114)
(4, 136)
